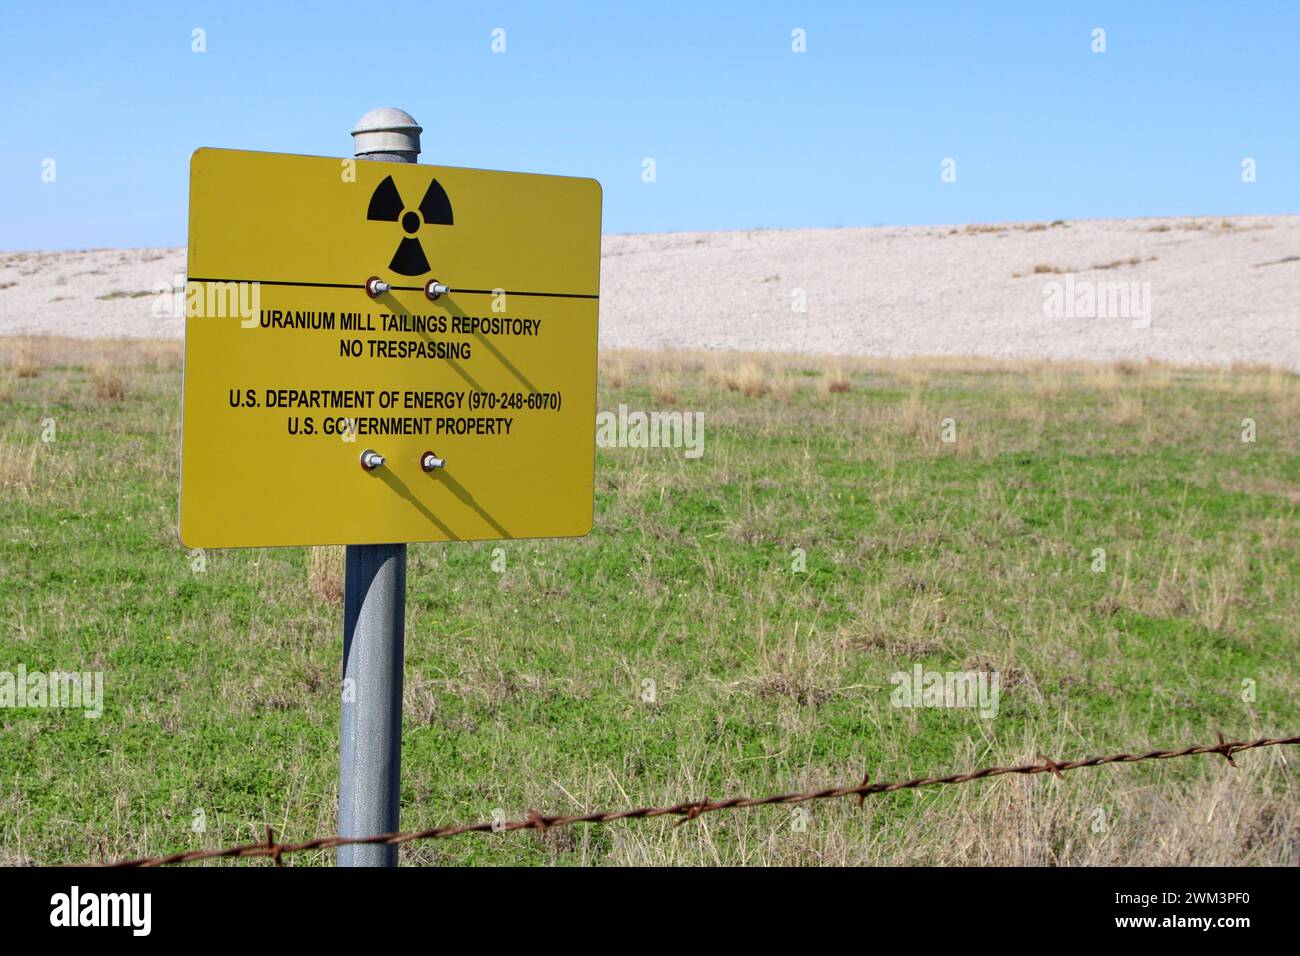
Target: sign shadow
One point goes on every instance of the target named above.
(461, 492)
(389, 301)
(392, 481)
(460, 313)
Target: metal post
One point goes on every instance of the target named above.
(374, 612)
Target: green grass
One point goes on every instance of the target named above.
(524, 688)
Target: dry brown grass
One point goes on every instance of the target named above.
(325, 574)
(903, 617)
(1202, 225)
(613, 373)
(1116, 263)
(162, 355)
(913, 417)
(120, 355)
(717, 367)
(1032, 410)
(109, 386)
(663, 386)
(18, 468)
(715, 372)
(1201, 584)
(25, 361)
(1048, 384)
(721, 370)
(804, 670)
(40, 473)
(1103, 378)
(1127, 409)
(1167, 815)
(835, 381)
(784, 385)
(749, 379)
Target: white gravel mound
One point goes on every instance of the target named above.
(1190, 291)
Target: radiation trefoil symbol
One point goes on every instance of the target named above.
(386, 206)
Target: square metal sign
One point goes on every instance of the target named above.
(443, 320)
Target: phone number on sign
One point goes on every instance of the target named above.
(533, 401)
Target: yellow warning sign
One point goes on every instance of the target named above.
(384, 353)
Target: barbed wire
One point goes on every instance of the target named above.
(689, 811)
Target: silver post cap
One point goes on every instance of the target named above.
(387, 130)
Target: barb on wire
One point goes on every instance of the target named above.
(693, 809)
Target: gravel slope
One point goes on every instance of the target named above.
(1218, 291)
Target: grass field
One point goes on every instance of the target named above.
(526, 688)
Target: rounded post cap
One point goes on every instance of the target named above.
(386, 130)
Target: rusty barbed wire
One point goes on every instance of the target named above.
(691, 810)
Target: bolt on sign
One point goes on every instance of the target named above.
(386, 353)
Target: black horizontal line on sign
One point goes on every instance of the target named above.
(404, 288)
(548, 295)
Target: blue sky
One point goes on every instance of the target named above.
(744, 132)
